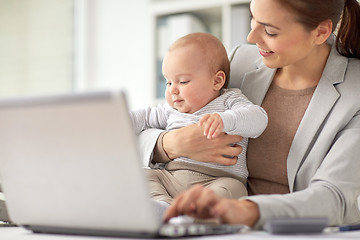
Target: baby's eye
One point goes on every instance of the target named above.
(168, 83)
(185, 82)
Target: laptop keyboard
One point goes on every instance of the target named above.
(194, 229)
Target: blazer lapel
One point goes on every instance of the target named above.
(256, 83)
(323, 100)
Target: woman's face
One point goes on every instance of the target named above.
(281, 40)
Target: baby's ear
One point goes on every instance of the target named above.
(219, 80)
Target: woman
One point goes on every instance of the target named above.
(306, 162)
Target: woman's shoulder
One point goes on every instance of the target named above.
(243, 58)
(351, 81)
(341, 69)
(344, 74)
(354, 67)
(244, 51)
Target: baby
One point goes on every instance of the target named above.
(196, 69)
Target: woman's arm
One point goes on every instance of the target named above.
(332, 192)
(158, 146)
(191, 142)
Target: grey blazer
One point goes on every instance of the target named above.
(324, 160)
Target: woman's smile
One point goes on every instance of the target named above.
(265, 53)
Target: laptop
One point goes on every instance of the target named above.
(69, 164)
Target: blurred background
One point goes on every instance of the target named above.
(60, 46)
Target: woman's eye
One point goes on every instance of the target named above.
(270, 34)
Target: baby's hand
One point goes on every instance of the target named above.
(213, 125)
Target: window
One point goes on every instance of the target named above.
(36, 47)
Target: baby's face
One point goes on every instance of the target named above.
(189, 80)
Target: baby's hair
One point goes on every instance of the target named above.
(212, 48)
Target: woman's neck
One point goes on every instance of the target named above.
(306, 73)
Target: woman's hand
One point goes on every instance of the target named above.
(200, 202)
(190, 142)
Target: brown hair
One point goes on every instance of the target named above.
(311, 13)
(212, 48)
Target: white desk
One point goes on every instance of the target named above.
(18, 233)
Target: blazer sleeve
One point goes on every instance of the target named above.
(332, 191)
(147, 141)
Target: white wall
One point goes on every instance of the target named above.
(117, 43)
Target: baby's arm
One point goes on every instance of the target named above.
(213, 125)
(152, 117)
(243, 117)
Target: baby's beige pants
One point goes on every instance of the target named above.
(166, 184)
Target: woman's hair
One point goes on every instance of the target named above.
(211, 48)
(346, 13)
